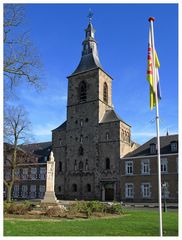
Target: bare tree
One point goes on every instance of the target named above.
(16, 131)
(21, 61)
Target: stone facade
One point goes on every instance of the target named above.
(89, 144)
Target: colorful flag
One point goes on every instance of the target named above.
(153, 73)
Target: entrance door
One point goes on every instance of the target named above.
(109, 194)
(109, 191)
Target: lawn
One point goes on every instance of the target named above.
(134, 223)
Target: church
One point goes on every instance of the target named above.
(89, 145)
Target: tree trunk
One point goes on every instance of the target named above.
(9, 190)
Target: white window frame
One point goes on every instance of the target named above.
(16, 190)
(17, 173)
(128, 168)
(24, 191)
(167, 192)
(164, 164)
(24, 173)
(145, 165)
(174, 147)
(32, 191)
(146, 190)
(33, 173)
(42, 173)
(153, 149)
(8, 174)
(129, 190)
(42, 189)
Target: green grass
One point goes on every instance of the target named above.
(134, 223)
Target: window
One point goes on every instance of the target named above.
(174, 146)
(86, 165)
(33, 191)
(60, 166)
(81, 139)
(129, 190)
(80, 151)
(25, 173)
(45, 158)
(107, 136)
(129, 167)
(16, 191)
(152, 148)
(105, 93)
(8, 174)
(81, 123)
(59, 188)
(80, 165)
(24, 191)
(165, 190)
(86, 120)
(33, 173)
(146, 187)
(145, 166)
(74, 187)
(17, 173)
(41, 191)
(88, 187)
(108, 163)
(75, 165)
(42, 174)
(60, 141)
(164, 168)
(83, 91)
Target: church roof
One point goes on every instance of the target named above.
(62, 126)
(90, 59)
(111, 116)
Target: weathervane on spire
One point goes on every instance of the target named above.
(90, 15)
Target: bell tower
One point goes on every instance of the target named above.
(89, 144)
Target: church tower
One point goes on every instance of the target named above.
(88, 146)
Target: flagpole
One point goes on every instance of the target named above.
(151, 20)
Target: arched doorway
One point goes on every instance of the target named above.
(108, 191)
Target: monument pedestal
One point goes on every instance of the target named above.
(50, 196)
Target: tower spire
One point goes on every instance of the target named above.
(90, 58)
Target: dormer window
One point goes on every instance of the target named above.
(152, 148)
(174, 146)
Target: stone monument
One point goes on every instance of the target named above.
(50, 196)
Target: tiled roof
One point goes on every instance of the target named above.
(62, 126)
(40, 150)
(144, 150)
(111, 116)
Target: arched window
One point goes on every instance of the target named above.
(81, 138)
(74, 187)
(107, 163)
(105, 93)
(75, 165)
(88, 187)
(60, 166)
(83, 91)
(80, 151)
(86, 165)
(80, 165)
(107, 136)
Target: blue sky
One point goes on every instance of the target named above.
(57, 31)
